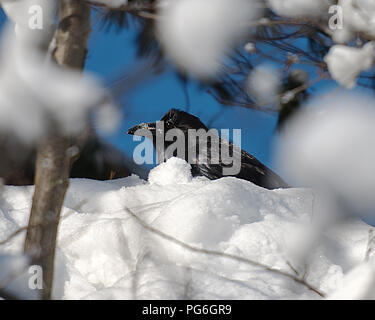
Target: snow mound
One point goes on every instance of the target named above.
(357, 284)
(175, 170)
(163, 239)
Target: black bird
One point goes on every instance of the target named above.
(249, 169)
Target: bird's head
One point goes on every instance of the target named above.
(174, 118)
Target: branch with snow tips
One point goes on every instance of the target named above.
(265, 106)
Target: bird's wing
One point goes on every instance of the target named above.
(249, 168)
(261, 175)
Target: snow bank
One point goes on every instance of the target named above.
(104, 252)
(358, 284)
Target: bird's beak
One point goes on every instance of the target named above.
(137, 130)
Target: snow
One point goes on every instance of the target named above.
(287, 97)
(107, 118)
(197, 35)
(331, 145)
(299, 8)
(178, 172)
(35, 91)
(24, 15)
(122, 239)
(358, 284)
(346, 63)
(14, 273)
(263, 83)
(250, 47)
(359, 16)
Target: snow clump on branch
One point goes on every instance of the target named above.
(197, 35)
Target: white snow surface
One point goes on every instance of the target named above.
(104, 252)
(358, 284)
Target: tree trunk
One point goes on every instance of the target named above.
(53, 161)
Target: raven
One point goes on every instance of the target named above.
(250, 168)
